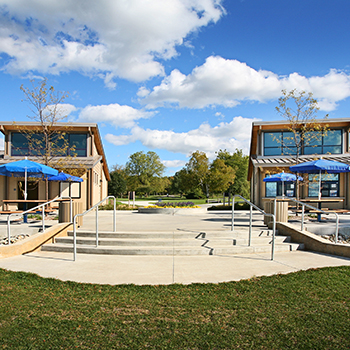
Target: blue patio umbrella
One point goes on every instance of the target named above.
(320, 166)
(26, 168)
(282, 177)
(65, 177)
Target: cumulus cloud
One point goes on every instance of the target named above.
(227, 82)
(232, 135)
(118, 38)
(115, 114)
(174, 163)
(62, 110)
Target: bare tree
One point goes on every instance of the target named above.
(46, 140)
(300, 109)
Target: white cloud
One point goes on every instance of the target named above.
(122, 38)
(174, 163)
(229, 136)
(62, 110)
(227, 82)
(115, 114)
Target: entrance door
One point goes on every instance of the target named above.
(32, 193)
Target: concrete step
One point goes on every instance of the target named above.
(205, 250)
(192, 241)
(171, 235)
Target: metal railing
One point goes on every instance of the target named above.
(87, 211)
(251, 219)
(316, 209)
(42, 213)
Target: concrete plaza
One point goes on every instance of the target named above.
(141, 270)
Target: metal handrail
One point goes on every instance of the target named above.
(250, 221)
(43, 215)
(87, 211)
(319, 210)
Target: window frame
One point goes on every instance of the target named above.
(285, 150)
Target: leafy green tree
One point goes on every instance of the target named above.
(179, 182)
(239, 163)
(220, 176)
(117, 185)
(141, 169)
(197, 172)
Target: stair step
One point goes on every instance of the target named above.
(131, 250)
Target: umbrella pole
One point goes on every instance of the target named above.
(25, 217)
(319, 186)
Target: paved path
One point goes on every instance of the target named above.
(166, 269)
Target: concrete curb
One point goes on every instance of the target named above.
(312, 241)
(34, 242)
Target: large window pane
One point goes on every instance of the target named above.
(271, 189)
(288, 139)
(273, 152)
(79, 144)
(289, 151)
(313, 150)
(332, 149)
(332, 138)
(272, 139)
(329, 185)
(19, 145)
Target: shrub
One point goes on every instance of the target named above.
(196, 194)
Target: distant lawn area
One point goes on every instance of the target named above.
(154, 199)
(303, 310)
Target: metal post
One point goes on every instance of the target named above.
(336, 228)
(96, 226)
(9, 229)
(74, 238)
(43, 218)
(273, 237)
(250, 225)
(302, 216)
(274, 206)
(71, 209)
(114, 215)
(233, 214)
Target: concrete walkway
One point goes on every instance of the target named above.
(142, 270)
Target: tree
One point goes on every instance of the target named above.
(117, 184)
(141, 169)
(198, 169)
(239, 163)
(220, 176)
(299, 109)
(199, 173)
(180, 182)
(46, 141)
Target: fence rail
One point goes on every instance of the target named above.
(251, 220)
(87, 211)
(43, 214)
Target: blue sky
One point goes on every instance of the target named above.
(175, 76)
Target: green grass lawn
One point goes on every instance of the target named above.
(303, 310)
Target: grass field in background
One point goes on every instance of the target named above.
(303, 310)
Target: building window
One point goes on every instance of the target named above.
(274, 189)
(283, 143)
(65, 144)
(70, 189)
(329, 185)
(279, 143)
(316, 143)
